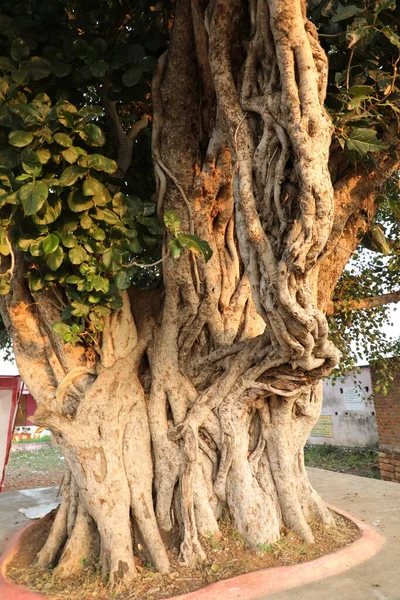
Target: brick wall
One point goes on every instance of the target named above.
(387, 410)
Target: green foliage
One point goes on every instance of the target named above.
(57, 165)
(179, 241)
(363, 47)
(373, 271)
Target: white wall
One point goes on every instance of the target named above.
(348, 415)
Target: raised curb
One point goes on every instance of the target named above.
(250, 585)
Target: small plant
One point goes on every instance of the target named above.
(265, 547)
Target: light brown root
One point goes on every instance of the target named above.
(82, 547)
(139, 469)
(58, 532)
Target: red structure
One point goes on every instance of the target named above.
(10, 392)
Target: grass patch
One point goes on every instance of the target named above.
(357, 461)
(43, 460)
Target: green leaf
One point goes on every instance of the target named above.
(77, 255)
(92, 186)
(110, 217)
(71, 175)
(86, 222)
(99, 68)
(91, 111)
(364, 140)
(6, 64)
(71, 155)
(172, 222)
(24, 243)
(100, 284)
(55, 259)
(44, 155)
(9, 158)
(33, 195)
(50, 243)
(79, 309)
(35, 282)
(82, 49)
(77, 202)
(132, 76)
(136, 53)
(19, 76)
(175, 248)
(196, 245)
(49, 212)
(60, 328)
(122, 280)
(134, 204)
(60, 69)
(97, 320)
(19, 50)
(92, 135)
(63, 139)
(69, 240)
(36, 248)
(38, 68)
(381, 5)
(66, 113)
(20, 138)
(5, 286)
(361, 91)
(4, 245)
(98, 162)
(391, 36)
(31, 162)
(107, 257)
(119, 204)
(74, 279)
(346, 12)
(379, 239)
(97, 234)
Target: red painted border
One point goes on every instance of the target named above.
(247, 586)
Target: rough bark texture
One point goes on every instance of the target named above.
(203, 399)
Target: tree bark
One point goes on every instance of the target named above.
(203, 398)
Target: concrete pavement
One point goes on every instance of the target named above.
(10, 502)
(378, 503)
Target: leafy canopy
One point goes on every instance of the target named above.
(78, 221)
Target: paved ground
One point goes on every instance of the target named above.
(376, 502)
(10, 502)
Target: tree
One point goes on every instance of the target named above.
(198, 392)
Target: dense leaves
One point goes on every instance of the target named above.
(80, 225)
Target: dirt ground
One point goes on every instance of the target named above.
(34, 469)
(226, 557)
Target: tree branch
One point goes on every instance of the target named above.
(137, 128)
(360, 303)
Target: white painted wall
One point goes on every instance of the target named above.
(349, 407)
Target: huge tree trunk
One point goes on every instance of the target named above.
(202, 398)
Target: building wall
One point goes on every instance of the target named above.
(30, 408)
(388, 420)
(348, 413)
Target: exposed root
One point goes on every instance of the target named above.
(58, 532)
(81, 549)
